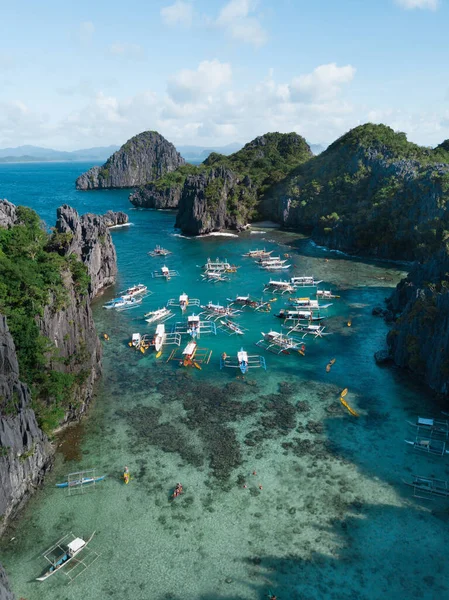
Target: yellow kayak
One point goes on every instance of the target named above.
(196, 365)
(159, 354)
(344, 392)
(328, 368)
(349, 323)
(332, 361)
(346, 405)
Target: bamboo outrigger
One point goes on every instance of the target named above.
(278, 343)
(428, 488)
(431, 427)
(183, 302)
(429, 446)
(243, 361)
(191, 356)
(64, 552)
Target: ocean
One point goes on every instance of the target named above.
(285, 491)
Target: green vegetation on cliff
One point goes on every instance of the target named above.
(372, 191)
(32, 276)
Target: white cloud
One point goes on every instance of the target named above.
(424, 4)
(236, 20)
(86, 31)
(126, 50)
(179, 13)
(324, 82)
(190, 86)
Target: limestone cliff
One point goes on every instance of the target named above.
(24, 449)
(152, 195)
(419, 338)
(370, 192)
(228, 191)
(5, 590)
(142, 159)
(90, 240)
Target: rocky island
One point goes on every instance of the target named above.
(142, 159)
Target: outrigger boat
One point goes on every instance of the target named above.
(63, 552)
(307, 329)
(273, 263)
(244, 361)
(219, 266)
(326, 294)
(162, 338)
(282, 287)
(191, 356)
(136, 290)
(183, 302)
(123, 303)
(305, 281)
(159, 251)
(140, 342)
(231, 328)
(298, 315)
(431, 427)
(213, 277)
(428, 487)
(217, 310)
(250, 302)
(429, 446)
(194, 327)
(279, 343)
(161, 314)
(82, 481)
(308, 303)
(258, 253)
(165, 273)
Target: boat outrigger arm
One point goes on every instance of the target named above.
(428, 487)
(195, 327)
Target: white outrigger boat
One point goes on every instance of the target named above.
(308, 329)
(298, 315)
(219, 266)
(248, 301)
(191, 356)
(258, 253)
(308, 303)
(123, 303)
(305, 281)
(159, 251)
(161, 338)
(326, 294)
(231, 328)
(273, 264)
(161, 314)
(136, 290)
(165, 273)
(217, 311)
(194, 327)
(429, 446)
(63, 552)
(183, 302)
(279, 343)
(431, 427)
(428, 488)
(243, 362)
(214, 277)
(282, 287)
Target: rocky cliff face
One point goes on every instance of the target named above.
(112, 219)
(5, 590)
(7, 214)
(419, 339)
(90, 240)
(209, 202)
(25, 452)
(142, 159)
(152, 196)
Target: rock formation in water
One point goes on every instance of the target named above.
(55, 340)
(227, 191)
(5, 590)
(419, 338)
(154, 195)
(370, 192)
(143, 158)
(25, 452)
(112, 219)
(89, 239)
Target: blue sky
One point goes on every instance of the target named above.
(212, 72)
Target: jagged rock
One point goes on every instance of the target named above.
(382, 357)
(152, 196)
(112, 219)
(5, 590)
(378, 311)
(92, 243)
(143, 158)
(7, 214)
(25, 453)
(201, 210)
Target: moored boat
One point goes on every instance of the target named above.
(305, 281)
(326, 294)
(258, 253)
(159, 251)
(161, 314)
(122, 303)
(298, 314)
(82, 481)
(282, 287)
(62, 553)
(231, 327)
(431, 427)
(135, 290)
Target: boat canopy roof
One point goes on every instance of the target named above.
(76, 544)
(422, 421)
(190, 348)
(160, 329)
(183, 297)
(136, 337)
(193, 319)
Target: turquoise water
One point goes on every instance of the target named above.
(332, 520)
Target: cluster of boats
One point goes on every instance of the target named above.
(217, 270)
(129, 298)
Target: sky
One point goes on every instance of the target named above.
(212, 72)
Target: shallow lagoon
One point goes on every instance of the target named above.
(332, 520)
